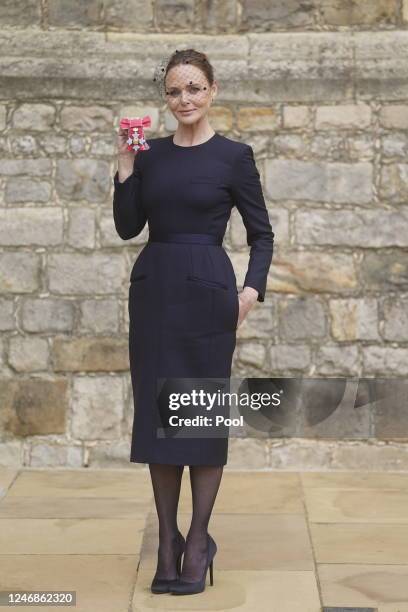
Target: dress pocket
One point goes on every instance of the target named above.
(213, 284)
(137, 277)
(138, 302)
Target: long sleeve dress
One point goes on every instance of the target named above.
(183, 297)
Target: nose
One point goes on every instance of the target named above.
(184, 96)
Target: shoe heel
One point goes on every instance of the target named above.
(211, 574)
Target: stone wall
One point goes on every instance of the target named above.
(320, 90)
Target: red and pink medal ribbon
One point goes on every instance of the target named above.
(136, 139)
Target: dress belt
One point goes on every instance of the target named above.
(184, 237)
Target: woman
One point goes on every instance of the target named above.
(184, 307)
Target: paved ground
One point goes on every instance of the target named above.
(287, 541)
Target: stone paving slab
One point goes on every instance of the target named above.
(102, 582)
(238, 591)
(303, 542)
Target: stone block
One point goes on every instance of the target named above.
(97, 408)
(33, 406)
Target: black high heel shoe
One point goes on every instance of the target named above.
(162, 585)
(183, 587)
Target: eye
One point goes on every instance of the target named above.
(193, 89)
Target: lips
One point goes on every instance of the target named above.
(187, 112)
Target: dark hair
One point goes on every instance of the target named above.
(191, 56)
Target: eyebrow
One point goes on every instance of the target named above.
(176, 86)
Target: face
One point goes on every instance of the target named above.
(188, 93)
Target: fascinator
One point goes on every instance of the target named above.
(184, 82)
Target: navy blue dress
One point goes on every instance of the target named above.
(183, 297)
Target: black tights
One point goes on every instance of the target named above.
(166, 480)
